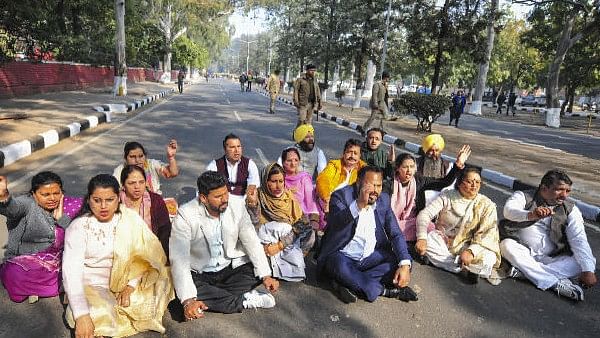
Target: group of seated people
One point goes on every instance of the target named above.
(122, 256)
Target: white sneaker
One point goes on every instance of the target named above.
(566, 288)
(515, 273)
(255, 299)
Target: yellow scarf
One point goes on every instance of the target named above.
(284, 208)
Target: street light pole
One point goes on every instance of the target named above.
(385, 37)
(248, 52)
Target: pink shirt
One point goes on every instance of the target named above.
(302, 186)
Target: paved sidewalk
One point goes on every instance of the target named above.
(31, 123)
(523, 161)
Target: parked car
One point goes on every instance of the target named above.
(528, 100)
(540, 101)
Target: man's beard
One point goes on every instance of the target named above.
(220, 209)
(305, 146)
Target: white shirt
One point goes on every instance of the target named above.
(215, 244)
(363, 243)
(232, 168)
(537, 236)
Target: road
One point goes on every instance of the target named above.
(588, 146)
(199, 119)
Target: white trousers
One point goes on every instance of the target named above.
(440, 256)
(543, 271)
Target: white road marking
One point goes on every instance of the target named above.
(25, 178)
(228, 102)
(262, 157)
(237, 116)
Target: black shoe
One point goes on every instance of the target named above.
(343, 293)
(404, 294)
(469, 277)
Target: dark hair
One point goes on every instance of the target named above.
(385, 74)
(44, 178)
(129, 146)
(210, 180)
(276, 72)
(555, 176)
(352, 142)
(286, 151)
(403, 157)
(379, 130)
(370, 168)
(99, 181)
(310, 66)
(275, 169)
(462, 175)
(128, 169)
(230, 136)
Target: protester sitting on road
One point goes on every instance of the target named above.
(150, 206)
(373, 153)
(216, 256)
(339, 173)
(544, 238)
(466, 230)
(408, 190)
(114, 269)
(285, 231)
(36, 225)
(240, 171)
(431, 164)
(135, 154)
(363, 251)
(299, 182)
(312, 158)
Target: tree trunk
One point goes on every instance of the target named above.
(552, 88)
(120, 78)
(484, 66)
(168, 35)
(440, 46)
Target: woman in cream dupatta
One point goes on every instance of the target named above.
(115, 272)
(466, 235)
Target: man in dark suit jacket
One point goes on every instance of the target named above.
(363, 251)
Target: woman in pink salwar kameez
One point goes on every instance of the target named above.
(36, 229)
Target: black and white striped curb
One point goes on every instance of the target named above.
(589, 211)
(125, 108)
(16, 151)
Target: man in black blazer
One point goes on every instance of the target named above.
(363, 251)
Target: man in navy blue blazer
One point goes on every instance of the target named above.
(363, 251)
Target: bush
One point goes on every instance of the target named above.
(426, 108)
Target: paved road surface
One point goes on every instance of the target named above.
(199, 119)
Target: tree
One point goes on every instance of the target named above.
(484, 64)
(568, 21)
(120, 66)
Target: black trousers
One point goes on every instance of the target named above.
(222, 291)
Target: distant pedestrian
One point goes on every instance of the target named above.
(512, 99)
(307, 95)
(379, 103)
(500, 101)
(273, 88)
(243, 80)
(458, 106)
(180, 78)
(249, 79)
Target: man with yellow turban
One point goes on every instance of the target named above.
(431, 163)
(312, 158)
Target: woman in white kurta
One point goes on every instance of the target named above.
(114, 269)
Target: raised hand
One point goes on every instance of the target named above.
(172, 148)
(392, 153)
(58, 212)
(463, 156)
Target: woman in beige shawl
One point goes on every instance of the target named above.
(284, 230)
(466, 235)
(114, 269)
